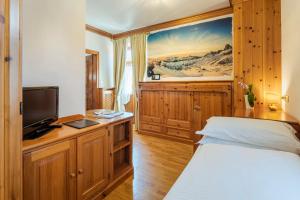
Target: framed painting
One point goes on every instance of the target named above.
(199, 51)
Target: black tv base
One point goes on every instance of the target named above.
(40, 132)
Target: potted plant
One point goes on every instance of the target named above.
(249, 95)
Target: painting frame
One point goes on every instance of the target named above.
(228, 68)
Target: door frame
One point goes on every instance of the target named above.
(10, 101)
(97, 56)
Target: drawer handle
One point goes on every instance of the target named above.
(72, 175)
(80, 171)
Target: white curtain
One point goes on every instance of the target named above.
(138, 51)
(119, 66)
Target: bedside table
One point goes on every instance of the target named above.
(266, 114)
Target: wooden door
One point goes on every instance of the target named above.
(208, 104)
(151, 106)
(178, 109)
(50, 173)
(92, 163)
(93, 93)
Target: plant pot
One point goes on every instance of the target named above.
(248, 107)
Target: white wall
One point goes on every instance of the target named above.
(54, 49)
(104, 46)
(291, 55)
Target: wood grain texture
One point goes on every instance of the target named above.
(12, 99)
(2, 99)
(158, 163)
(89, 163)
(50, 173)
(257, 49)
(278, 115)
(67, 132)
(175, 110)
(92, 163)
(98, 31)
(202, 16)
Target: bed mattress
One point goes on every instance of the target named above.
(227, 172)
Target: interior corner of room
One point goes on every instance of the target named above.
(107, 98)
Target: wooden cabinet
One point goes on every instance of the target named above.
(50, 173)
(92, 163)
(151, 106)
(80, 164)
(178, 109)
(208, 104)
(175, 110)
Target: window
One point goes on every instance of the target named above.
(128, 72)
(127, 82)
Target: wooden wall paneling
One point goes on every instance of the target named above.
(257, 48)
(257, 59)
(277, 47)
(268, 47)
(13, 97)
(237, 54)
(247, 42)
(272, 47)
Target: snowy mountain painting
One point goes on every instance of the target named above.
(199, 50)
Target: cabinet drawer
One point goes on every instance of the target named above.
(150, 127)
(178, 133)
(148, 119)
(177, 87)
(179, 124)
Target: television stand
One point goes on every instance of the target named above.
(40, 132)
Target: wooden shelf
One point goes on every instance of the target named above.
(121, 169)
(121, 145)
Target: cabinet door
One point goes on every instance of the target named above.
(151, 106)
(178, 109)
(208, 104)
(92, 163)
(50, 173)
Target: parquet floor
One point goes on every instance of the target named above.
(157, 165)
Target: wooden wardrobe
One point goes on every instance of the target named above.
(175, 110)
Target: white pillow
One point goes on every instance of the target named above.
(211, 140)
(263, 133)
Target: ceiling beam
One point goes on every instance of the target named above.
(98, 31)
(202, 16)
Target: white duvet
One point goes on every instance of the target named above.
(224, 172)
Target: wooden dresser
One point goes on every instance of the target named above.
(175, 110)
(69, 163)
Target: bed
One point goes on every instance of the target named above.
(236, 170)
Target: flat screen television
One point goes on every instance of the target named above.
(40, 109)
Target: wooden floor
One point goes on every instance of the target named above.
(157, 165)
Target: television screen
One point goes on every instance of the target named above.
(40, 107)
